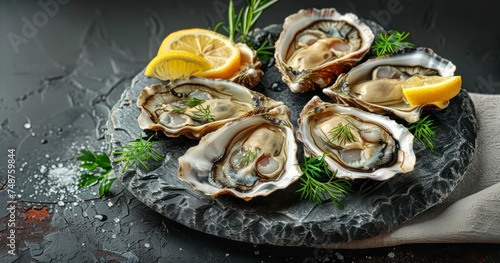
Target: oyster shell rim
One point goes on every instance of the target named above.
(406, 157)
(413, 113)
(350, 60)
(191, 158)
(195, 132)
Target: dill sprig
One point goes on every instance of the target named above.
(240, 24)
(319, 183)
(425, 131)
(203, 114)
(341, 133)
(179, 110)
(248, 157)
(388, 43)
(138, 152)
(192, 102)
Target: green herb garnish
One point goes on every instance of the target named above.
(240, 24)
(388, 43)
(203, 114)
(99, 163)
(179, 110)
(192, 102)
(425, 131)
(341, 133)
(319, 183)
(248, 157)
(138, 152)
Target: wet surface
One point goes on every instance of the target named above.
(64, 64)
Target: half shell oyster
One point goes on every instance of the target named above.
(373, 147)
(375, 85)
(252, 156)
(196, 106)
(316, 45)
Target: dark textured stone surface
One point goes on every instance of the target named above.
(283, 218)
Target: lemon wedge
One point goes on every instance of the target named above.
(216, 48)
(176, 64)
(420, 90)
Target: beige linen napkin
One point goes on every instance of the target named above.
(471, 214)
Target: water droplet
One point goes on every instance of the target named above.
(27, 125)
(110, 204)
(391, 255)
(146, 244)
(116, 219)
(60, 203)
(101, 217)
(278, 87)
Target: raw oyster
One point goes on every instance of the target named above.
(196, 106)
(374, 146)
(252, 156)
(316, 45)
(375, 85)
(249, 74)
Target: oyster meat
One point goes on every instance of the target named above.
(249, 157)
(196, 106)
(356, 144)
(316, 45)
(376, 84)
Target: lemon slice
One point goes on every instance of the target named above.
(420, 90)
(218, 49)
(176, 64)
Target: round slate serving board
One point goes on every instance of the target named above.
(282, 218)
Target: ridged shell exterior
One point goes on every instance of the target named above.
(197, 164)
(405, 156)
(149, 120)
(325, 74)
(249, 74)
(420, 57)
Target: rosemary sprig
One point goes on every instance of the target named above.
(342, 133)
(390, 42)
(138, 152)
(203, 114)
(265, 51)
(99, 163)
(319, 183)
(240, 24)
(425, 131)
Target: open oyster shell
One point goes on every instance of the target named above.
(249, 157)
(316, 45)
(375, 85)
(249, 74)
(378, 149)
(196, 106)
